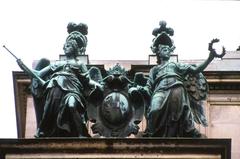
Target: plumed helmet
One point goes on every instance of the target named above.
(78, 33)
(162, 36)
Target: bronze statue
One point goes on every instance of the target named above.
(176, 90)
(61, 90)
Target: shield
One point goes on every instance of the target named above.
(116, 111)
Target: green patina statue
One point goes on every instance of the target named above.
(176, 90)
(60, 89)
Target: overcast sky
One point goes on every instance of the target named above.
(118, 30)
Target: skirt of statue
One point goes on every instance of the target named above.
(58, 119)
(169, 114)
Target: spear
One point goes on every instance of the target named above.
(25, 68)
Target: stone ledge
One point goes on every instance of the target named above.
(115, 148)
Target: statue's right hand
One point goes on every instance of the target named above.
(20, 63)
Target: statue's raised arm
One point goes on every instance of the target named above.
(213, 54)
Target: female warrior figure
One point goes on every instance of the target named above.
(65, 92)
(175, 104)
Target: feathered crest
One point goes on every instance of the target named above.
(81, 27)
(163, 28)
